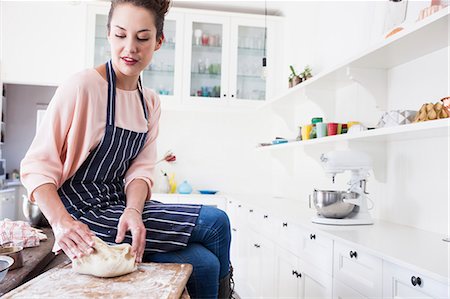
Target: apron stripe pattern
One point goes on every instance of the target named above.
(95, 194)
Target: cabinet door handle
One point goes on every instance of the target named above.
(230, 201)
(299, 275)
(416, 281)
(224, 95)
(353, 254)
(234, 229)
(284, 224)
(232, 95)
(257, 245)
(266, 216)
(239, 206)
(294, 272)
(251, 210)
(312, 236)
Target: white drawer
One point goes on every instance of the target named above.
(357, 269)
(289, 236)
(317, 250)
(399, 282)
(341, 291)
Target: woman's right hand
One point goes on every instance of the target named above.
(74, 237)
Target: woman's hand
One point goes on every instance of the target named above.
(74, 237)
(131, 220)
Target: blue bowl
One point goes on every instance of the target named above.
(208, 191)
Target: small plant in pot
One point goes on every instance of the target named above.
(307, 73)
(294, 79)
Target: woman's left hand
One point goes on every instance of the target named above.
(131, 220)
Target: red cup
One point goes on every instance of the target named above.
(332, 128)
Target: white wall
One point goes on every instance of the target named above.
(410, 181)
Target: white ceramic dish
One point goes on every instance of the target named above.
(5, 263)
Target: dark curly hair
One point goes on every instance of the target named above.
(158, 8)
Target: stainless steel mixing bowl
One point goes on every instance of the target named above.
(330, 204)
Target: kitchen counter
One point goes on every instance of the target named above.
(416, 249)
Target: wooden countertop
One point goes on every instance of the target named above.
(35, 260)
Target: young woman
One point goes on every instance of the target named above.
(91, 163)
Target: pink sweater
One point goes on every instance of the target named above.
(75, 123)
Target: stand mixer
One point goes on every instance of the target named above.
(344, 207)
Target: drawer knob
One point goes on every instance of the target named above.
(294, 272)
(251, 210)
(230, 201)
(416, 281)
(257, 245)
(353, 254)
(284, 224)
(234, 229)
(239, 206)
(266, 216)
(312, 236)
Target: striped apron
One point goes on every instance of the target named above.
(95, 194)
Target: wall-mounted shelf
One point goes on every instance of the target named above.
(422, 38)
(428, 129)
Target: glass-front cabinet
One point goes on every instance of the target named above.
(207, 56)
(206, 40)
(163, 74)
(225, 59)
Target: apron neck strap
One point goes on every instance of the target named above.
(111, 109)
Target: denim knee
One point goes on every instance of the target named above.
(214, 217)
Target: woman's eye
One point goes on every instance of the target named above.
(142, 39)
(120, 36)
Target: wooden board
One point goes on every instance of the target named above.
(151, 280)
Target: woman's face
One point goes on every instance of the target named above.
(132, 38)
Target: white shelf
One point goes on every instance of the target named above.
(428, 129)
(424, 37)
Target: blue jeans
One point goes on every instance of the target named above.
(208, 251)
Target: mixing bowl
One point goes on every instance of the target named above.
(331, 204)
(33, 214)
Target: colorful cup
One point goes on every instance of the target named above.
(306, 131)
(339, 129)
(321, 129)
(332, 129)
(351, 123)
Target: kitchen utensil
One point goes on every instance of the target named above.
(321, 129)
(331, 204)
(332, 129)
(15, 252)
(306, 131)
(184, 188)
(32, 213)
(208, 191)
(344, 207)
(5, 263)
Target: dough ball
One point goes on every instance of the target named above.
(106, 260)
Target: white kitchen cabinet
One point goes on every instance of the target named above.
(317, 250)
(42, 43)
(224, 58)
(164, 73)
(341, 291)
(358, 269)
(298, 279)
(399, 282)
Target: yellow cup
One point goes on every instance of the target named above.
(351, 123)
(306, 131)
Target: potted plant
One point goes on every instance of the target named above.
(307, 73)
(294, 79)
